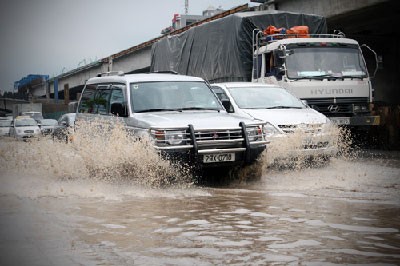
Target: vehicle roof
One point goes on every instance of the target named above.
(148, 77)
(275, 44)
(23, 117)
(246, 84)
(48, 119)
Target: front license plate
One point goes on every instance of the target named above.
(341, 120)
(220, 157)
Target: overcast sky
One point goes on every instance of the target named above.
(49, 37)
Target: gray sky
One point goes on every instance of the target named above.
(49, 37)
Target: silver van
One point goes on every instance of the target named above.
(181, 114)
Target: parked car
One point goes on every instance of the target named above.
(65, 127)
(5, 125)
(181, 115)
(284, 113)
(24, 128)
(47, 126)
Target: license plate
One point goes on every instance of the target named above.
(219, 157)
(341, 120)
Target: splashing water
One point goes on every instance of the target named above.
(105, 152)
(286, 152)
(99, 151)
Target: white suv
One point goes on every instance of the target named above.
(181, 114)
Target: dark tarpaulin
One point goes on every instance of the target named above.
(221, 50)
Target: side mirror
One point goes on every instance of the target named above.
(119, 109)
(227, 105)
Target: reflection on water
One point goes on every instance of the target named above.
(239, 226)
(107, 201)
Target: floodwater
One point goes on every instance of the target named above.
(62, 204)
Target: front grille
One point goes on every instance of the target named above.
(302, 128)
(336, 106)
(218, 134)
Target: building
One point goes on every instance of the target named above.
(180, 21)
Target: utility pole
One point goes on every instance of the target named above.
(186, 7)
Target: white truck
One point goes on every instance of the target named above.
(328, 71)
(331, 75)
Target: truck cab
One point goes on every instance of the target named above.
(327, 71)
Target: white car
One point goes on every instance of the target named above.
(290, 122)
(24, 127)
(47, 126)
(5, 125)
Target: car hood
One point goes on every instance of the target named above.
(288, 116)
(199, 119)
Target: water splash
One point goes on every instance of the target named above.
(287, 152)
(99, 151)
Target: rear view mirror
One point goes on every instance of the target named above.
(227, 105)
(119, 109)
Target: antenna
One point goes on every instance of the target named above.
(186, 7)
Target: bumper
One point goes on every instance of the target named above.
(242, 156)
(27, 136)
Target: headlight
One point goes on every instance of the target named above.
(165, 137)
(270, 130)
(254, 133)
(360, 108)
(174, 137)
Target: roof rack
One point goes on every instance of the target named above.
(165, 72)
(275, 37)
(111, 73)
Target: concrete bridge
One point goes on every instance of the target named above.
(368, 21)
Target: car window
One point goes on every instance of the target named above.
(5, 123)
(264, 97)
(87, 99)
(159, 96)
(25, 122)
(117, 95)
(48, 122)
(220, 93)
(102, 100)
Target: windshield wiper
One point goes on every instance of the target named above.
(283, 107)
(157, 110)
(352, 77)
(199, 108)
(319, 77)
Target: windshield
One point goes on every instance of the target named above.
(264, 98)
(25, 122)
(327, 61)
(5, 123)
(172, 95)
(48, 122)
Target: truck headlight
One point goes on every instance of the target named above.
(360, 108)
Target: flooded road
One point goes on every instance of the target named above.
(346, 212)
